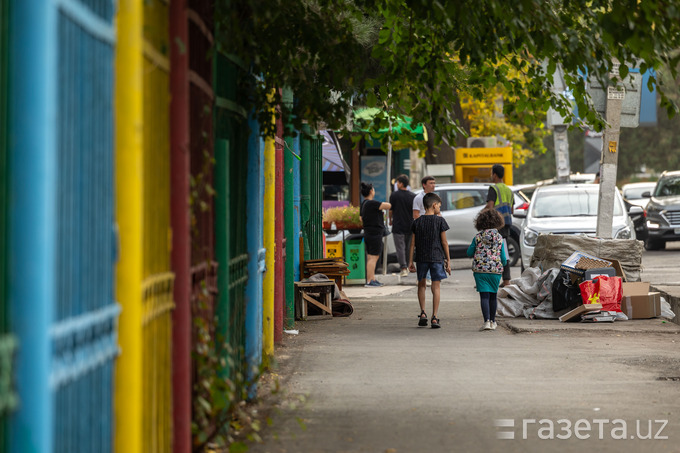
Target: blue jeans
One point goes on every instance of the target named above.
(435, 270)
(489, 304)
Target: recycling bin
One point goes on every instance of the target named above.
(355, 255)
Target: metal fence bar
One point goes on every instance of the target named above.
(231, 236)
(33, 215)
(8, 343)
(130, 216)
(181, 226)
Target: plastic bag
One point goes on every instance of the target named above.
(565, 293)
(603, 290)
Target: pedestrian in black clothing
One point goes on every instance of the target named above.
(431, 255)
(401, 218)
(372, 217)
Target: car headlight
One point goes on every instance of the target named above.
(624, 233)
(530, 237)
(652, 225)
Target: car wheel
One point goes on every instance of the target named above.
(654, 244)
(513, 251)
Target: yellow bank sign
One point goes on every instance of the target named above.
(483, 156)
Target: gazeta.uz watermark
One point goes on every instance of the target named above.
(597, 428)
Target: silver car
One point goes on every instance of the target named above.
(570, 209)
(633, 192)
(460, 204)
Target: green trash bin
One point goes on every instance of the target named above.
(355, 255)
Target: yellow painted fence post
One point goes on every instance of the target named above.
(268, 284)
(143, 394)
(129, 206)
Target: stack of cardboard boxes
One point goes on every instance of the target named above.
(637, 301)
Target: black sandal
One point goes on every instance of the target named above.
(422, 319)
(434, 323)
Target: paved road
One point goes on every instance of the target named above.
(662, 266)
(375, 382)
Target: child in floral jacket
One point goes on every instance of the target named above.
(488, 258)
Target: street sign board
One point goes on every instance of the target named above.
(630, 108)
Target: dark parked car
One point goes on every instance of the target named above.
(663, 211)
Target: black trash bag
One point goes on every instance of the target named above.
(566, 294)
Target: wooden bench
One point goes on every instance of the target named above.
(316, 293)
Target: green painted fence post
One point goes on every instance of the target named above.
(289, 210)
(305, 189)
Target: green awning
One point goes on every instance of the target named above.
(403, 124)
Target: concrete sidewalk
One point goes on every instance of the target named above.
(375, 382)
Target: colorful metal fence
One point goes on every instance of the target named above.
(204, 264)
(8, 398)
(181, 232)
(311, 194)
(145, 280)
(231, 157)
(157, 287)
(62, 247)
(315, 232)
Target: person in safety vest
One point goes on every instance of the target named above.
(501, 198)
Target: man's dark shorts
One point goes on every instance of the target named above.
(373, 244)
(437, 271)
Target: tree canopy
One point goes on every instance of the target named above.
(422, 58)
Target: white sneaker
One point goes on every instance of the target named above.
(404, 273)
(428, 282)
(493, 325)
(486, 326)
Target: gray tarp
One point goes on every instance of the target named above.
(553, 249)
(529, 296)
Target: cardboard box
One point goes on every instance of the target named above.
(579, 262)
(574, 315)
(619, 270)
(638, 302)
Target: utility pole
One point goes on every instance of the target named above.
(388, 186)
(609, 161)
(561, 141)
(559, 126)
(620, 105)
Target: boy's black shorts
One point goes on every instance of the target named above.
(373, 244)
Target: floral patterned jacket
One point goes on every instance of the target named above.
(488, 249)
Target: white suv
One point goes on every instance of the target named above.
(570, 209)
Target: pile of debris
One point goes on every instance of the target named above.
(333, 268)
(570, 283)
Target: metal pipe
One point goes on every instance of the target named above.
(181, 230)
(269, 244)
(289, 217)
(388, 173)
(130, 165)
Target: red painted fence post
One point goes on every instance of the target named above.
(180, 222)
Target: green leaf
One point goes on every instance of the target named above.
(238, 447)
(383, 36)
(204, 404)
(371, 99)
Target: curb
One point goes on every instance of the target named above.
(670, 292)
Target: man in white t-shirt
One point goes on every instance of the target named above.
(428, 187)
(419, 208)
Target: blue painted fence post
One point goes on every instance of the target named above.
(32, 217)
(254, 226)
